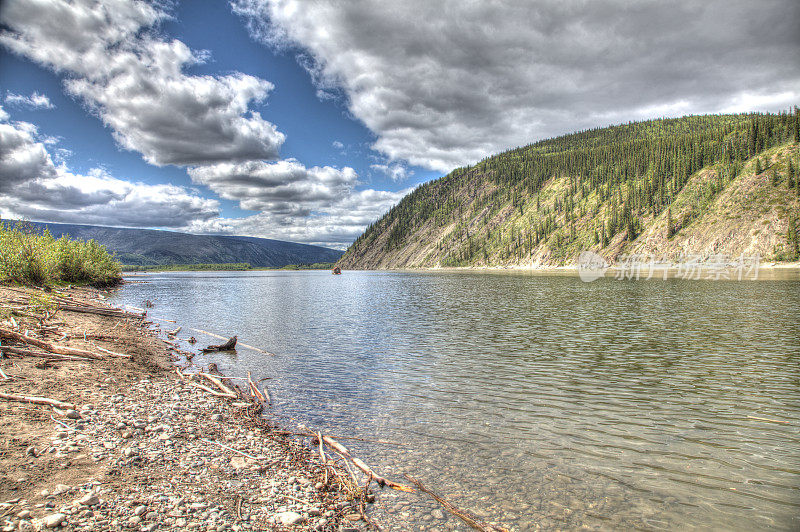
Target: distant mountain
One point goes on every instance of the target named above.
(144, 247)
(697, 185)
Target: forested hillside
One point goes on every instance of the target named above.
(716, 184)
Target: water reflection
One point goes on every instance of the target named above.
(535, 401)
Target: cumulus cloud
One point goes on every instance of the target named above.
(397, 172)
(443, 84)
(22, 158)
(335, 225)
(33, 187)
(283, 187)
(317, 205)
(35, 101)
(135, 81)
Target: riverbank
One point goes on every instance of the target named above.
(137, 448)
(768, 271)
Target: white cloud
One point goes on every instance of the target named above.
(397, 172)
(335, 225)
(135, 82)
(33, 187)
(443, 84)
(317, 205)
(35, 101)
(282, 187)
(338, 145)
(22, 158)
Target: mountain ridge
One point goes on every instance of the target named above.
(153, 247)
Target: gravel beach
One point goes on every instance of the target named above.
(138, 448)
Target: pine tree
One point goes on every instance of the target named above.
(774, 178)
(790, 175)
(759, 168)
(670, 223)
(793, 238)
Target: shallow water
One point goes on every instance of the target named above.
(533, 401)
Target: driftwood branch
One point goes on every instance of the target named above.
(242, 344)
(112, 353)
(212, 391)
(35, 400)
(254, 389)
(343, 451)
(101, 311)
(28, 353)
(465, 516)
(219, 383)
(47, 346)
(227, 346)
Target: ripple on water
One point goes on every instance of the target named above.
(534, 401)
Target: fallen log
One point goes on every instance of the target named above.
(36, 400)
(227, 346)
(241, 344)
(47, 346)
(102, 311)
(28, 353)
(465, 516)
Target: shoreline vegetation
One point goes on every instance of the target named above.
(28, 256)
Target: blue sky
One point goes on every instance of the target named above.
(306, 121)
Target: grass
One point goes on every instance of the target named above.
(37, 258)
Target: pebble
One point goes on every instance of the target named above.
(53, 520)
(288, 518)
(61, 488)
(90, 499)
(193, 485)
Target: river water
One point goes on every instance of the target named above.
(532, 401)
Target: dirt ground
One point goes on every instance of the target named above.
(140, 437)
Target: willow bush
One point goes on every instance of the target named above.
(30, 257)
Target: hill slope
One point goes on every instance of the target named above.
(719, 184)
(143, 247)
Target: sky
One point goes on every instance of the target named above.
(307, 120)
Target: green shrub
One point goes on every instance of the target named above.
(29, 257)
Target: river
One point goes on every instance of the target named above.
(533, 401)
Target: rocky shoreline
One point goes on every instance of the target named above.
(141, 449)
